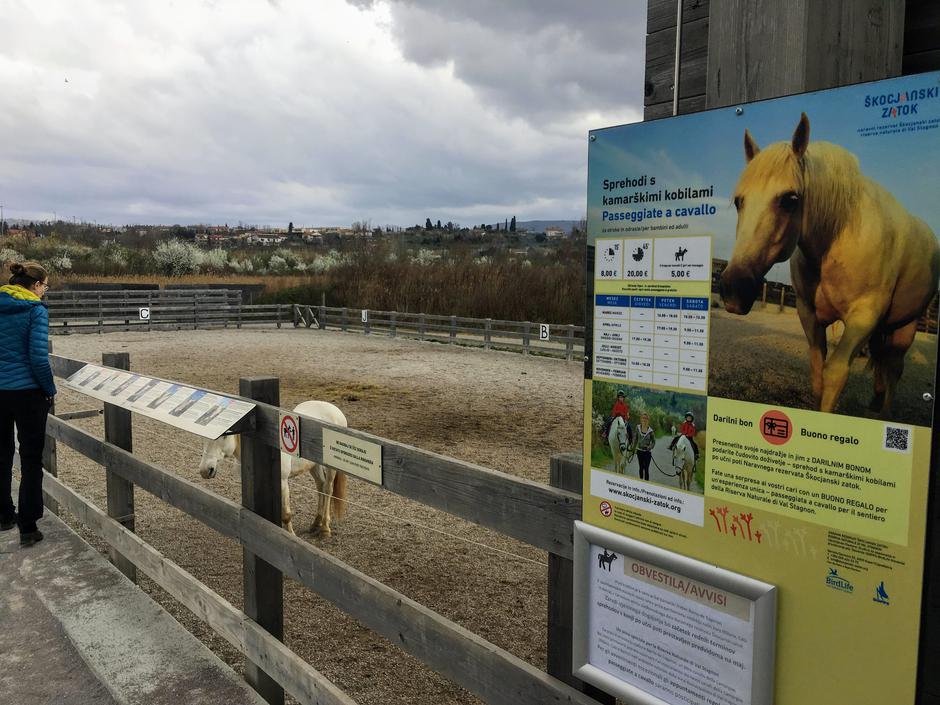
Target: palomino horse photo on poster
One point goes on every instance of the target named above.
(857, 256)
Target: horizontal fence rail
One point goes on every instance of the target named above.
(538, 514)
(182, 309)
(550, 339)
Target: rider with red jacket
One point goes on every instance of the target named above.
(688, 430)
(622, 409)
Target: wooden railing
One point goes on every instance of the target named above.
(537, 514)
(562, 340)
(171, 309)
(168, 309)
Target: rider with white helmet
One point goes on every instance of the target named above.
(688, 430)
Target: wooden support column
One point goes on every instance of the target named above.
(118, 431)
(261, 494)
(761, 49)
(565, 473)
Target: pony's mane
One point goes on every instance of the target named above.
(829, 178)
(832, 182)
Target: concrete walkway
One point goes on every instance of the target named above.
(75, 631)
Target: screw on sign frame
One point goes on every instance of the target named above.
(289, 434)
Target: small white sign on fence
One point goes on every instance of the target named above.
(144, 314)
(544, 331)
(365, 315)
(352, 455)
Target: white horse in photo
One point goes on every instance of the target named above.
(618, 440)
(331, 485)
(683, 460)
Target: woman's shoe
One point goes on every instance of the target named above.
(7, 523)
(30, 538)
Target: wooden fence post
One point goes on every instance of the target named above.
(345, 324)
(118, 431)
(422, 323)
(127, 319)
(783, 293)
(569, 343)
(150, 308)
(364, 314)
(261, 494)
(100, 316)
(295, 314)
(453, 327)
(322, 320)
(49, 455)
(393, 321)
(763, 296)
(488, 334)
(279, 315)
(195, 311)
(525, 337)
(565, 473)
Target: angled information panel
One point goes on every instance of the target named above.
(761, 361)
(194, 410)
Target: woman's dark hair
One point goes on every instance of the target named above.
(25, 274)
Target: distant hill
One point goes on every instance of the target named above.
(538, 226)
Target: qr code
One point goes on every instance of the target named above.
(897, 439)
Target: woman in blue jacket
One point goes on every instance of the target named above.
(26, 394)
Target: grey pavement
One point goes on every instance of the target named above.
(75, 631)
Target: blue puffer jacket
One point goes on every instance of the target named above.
(24, 341)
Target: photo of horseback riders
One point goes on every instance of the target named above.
(653, 435)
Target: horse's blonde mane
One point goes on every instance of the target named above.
(833, 183)
(828, 176)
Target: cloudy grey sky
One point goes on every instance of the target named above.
(312, 111)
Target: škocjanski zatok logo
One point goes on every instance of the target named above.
(837, 582)
(901, 103)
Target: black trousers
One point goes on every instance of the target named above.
(644, 457)
(26, 409)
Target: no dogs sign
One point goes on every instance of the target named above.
(289, 434)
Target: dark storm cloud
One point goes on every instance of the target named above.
(540, 59)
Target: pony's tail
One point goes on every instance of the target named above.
(338, 500)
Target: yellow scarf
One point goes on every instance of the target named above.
(18, 292)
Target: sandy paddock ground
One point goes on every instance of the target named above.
(501, 410)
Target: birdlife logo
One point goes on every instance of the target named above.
(837, 582)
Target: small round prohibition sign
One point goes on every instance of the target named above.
(289, 436)
(606, 509)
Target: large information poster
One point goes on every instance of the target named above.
(762, 360)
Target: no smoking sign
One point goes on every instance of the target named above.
(289, 434)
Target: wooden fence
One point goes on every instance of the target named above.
(166, 309)
(557, 340)
(537, 514)
(170, 309)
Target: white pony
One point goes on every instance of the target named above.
(683, 460)
(617, 440)
(330, 484)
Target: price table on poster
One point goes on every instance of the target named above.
(661, 340)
